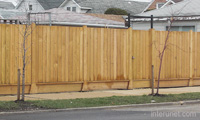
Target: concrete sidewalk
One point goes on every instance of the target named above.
(104, 93)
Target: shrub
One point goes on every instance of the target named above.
(116, 11)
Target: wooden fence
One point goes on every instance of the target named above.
(82, 58)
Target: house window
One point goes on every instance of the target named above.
(69, 8)
(74, 9)
(30, 7)
(159, 5)
(181, 28)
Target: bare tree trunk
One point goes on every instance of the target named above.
(160, 68)
(24, 61)
(23, 82)
(24, 67)
(162, 55)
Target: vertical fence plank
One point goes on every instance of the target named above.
(151, 51)
(44, 50)
(3, 70)
(81, 55)
(33, 53)
(52, 53)
(95, 68)
(12, 54)
(89, 49)
(56, 54)
(191, 58)
(63, 53)
(130, 76)
(60, 57)
(78, 55)
(125, 55)
(112, 54)
(85, 58)
(48, 72)
(118, 54)
(121, 76)
(74, 42)
(99, 54)
(91, 53)
(1, 58)
(28, 55)
(40, 52)
(8, 44)
(102, 54)
(115, 54)
(67, 35)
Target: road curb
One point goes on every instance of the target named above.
(110, 107)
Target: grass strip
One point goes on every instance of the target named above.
(95, 102)
(111, 101)
(8, 105)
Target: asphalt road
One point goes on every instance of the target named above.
(185, 112)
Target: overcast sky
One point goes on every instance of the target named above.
(16, 0)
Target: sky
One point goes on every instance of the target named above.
(15, 0)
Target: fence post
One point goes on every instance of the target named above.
(151, 54)
(85, 78)
(130, 75)
(191, 58)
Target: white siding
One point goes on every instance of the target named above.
(161, 26)
(72, 4)
(36, 7)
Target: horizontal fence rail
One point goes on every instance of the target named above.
(64, 58)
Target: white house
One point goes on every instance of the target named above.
(72, 5)
(186, 15)
(29, 5)
(83, 6)
(156, 4)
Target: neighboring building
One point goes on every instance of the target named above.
(187, 12)
(83, 6)
(6, 5)
(118, 18)
(34, 5)
(63, 17)
(7, 14)
(100, 6)
(156, 4)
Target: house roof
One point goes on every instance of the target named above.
(100, 6)
(49, 4)
(118, 18)
(61, 16)
(7, 14)
(6, 5)
(184, 8)
(46, 4)
(154, 2)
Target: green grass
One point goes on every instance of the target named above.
(110, 101)
(94, 102)
(8, 105)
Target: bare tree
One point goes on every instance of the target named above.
(163, 50)
(25, 44)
